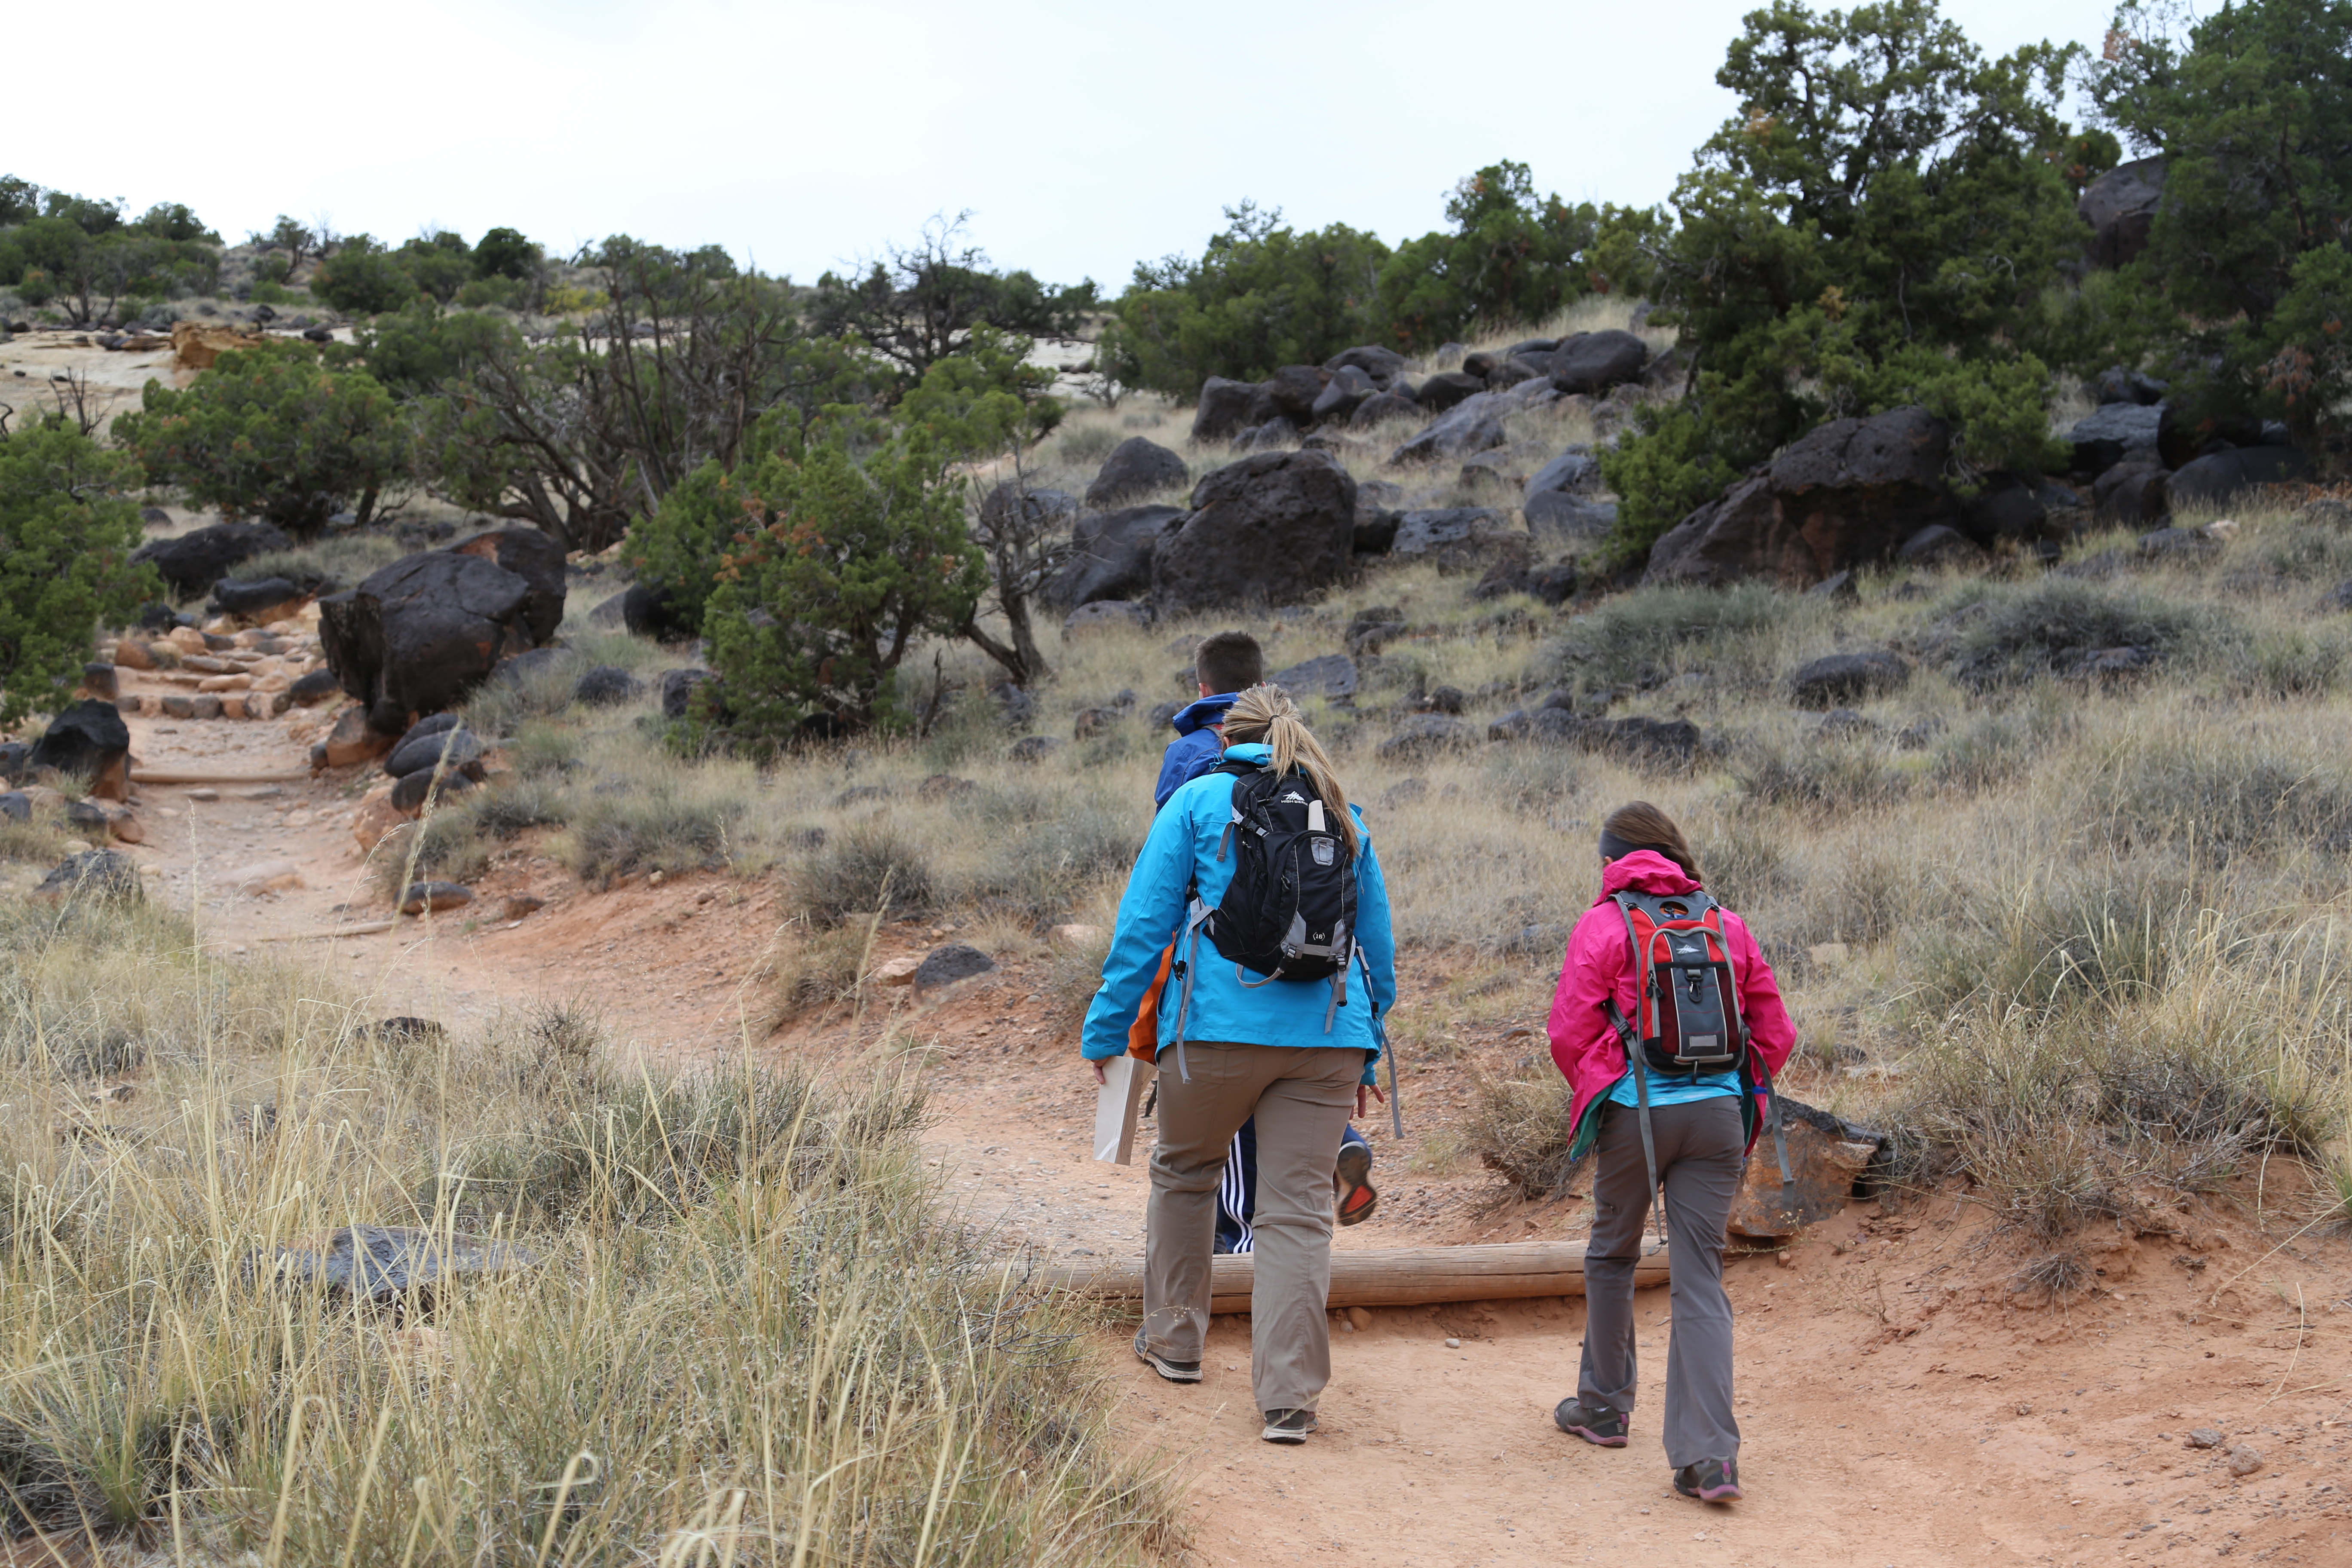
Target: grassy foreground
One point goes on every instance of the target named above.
(751, 1333)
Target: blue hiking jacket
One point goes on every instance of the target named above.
(1196, 750)
(1183, 851)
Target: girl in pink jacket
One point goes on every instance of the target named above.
(1702, 1124)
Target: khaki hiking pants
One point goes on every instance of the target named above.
(1302, 1097)
(1701, 1151)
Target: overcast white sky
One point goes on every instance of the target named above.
(1082, 137)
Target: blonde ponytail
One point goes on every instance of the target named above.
(1266, 714)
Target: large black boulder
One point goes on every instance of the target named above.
(1271, 528)
(648, 610)
(1381, 363)
(1442, 391)
(1592, 363)
(451, 749)
(197, 560)
(2008, 506)
(1111, 555)
(1289, 394)
(1382, 407)
(1839, 680)
(2120, 205)
(1135, 467)
(1345, 392)
(231, 597)
(107, 876)
(90, 741)
(2103, 439)
(1224, 408)
(1849, 493)
(678, 689)
(2223, 476)
(418, 635)
(535, 557)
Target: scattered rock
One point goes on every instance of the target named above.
(1462, 539)
(1271, 528)
(106, 875)
(1826, 1156)
(1223, 409)
(385, 1264)
(1331, 676)
(1937, 545)
(1342, 395)
(421, 750)
(1092, 722)
(350, 739)
(2136, 491)
(431, 898)
(261, 601)
(1112, 553)
(648, 611)
(2120, 205)
(132, 654)
(1441, 391)
(606, 686)
(897, 972)
(1591, 363)
(91, 741)
(2101, 440)
(1035, 748)
(2245, 1461)
(193, 561)
(1135, 467)
(1384, 409)
(99, 680)
(943, 966)
(16, 805)
(1469, 428)
(1426, 735)
(319, 686)
(1844, 496)
(2221, 477)
(2117, 384)
(418, 635)
(411, 790)
(679, 686)
(2207, 1437)
(2180, 543)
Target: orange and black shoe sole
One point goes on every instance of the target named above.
(1356, 1198)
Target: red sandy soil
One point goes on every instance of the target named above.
(1902, 1404)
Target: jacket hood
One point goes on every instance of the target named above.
(1644, 871)
(1208, 710)
(1256, 751)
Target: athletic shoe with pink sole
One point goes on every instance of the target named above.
(1596, 1424)
(1709, 1480)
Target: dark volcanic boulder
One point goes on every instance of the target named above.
(2103, 440)
(2117, 384)
(1270, 529)
(259, 600)
(2119, 205)
(2221, 476)
(1442, 391)
(1592, 363)
(1382, 408)
(193, 562)
(1471, 426)
(1841, 678)
(1462, 539)
(648, 610)
(1568, 519)
(678, 689)
(1937, 545)
(106, 875)
(1290, 394)
(1223, 408)
(1333, 674)
(1135, 467)
(605, 686)
(945, 966)
(536, 557)
(1345, 392)
(1111, 555)
(90, 741)
(2136, 491)
(2008, 506)
(1847, 494)
(1427, 735)
(420, 634)
(449, 749)
(1379, 364)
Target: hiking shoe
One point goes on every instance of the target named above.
(1709, 1480)
(1288, 1425)
(1173, 1371)
(1596, 1424)
(1352, 1185)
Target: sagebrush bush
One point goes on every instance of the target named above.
(656, 826)
(1733, 634)
(877, 864)
(2015, 636)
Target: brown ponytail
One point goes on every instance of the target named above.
(1641, 826)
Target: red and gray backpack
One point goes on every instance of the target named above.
(1687, 987)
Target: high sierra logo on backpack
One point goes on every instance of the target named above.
(1689, 1011)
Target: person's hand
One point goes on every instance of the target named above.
(1366, 1093)
(1100, 1076)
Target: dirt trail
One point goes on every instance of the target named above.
(1901, 1404)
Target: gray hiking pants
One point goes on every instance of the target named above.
(1701, 1151)
(1301, 1096)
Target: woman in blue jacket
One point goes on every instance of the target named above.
(1279, 1051)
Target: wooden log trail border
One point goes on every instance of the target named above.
(1392, 1277)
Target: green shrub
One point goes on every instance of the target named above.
(364, 279)
(1644, 638)
(862, 865)
(838, 567)
(274, 433)
(68, 528)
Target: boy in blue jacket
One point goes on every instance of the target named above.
(1224, 667)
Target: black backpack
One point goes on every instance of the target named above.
(1289, 912)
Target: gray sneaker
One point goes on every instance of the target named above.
(1288, 1425)
(1173, 1371)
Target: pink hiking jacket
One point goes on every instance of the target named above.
(1599, 963)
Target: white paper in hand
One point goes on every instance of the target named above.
(1117, 1104)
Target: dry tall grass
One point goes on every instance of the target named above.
(751, 1332)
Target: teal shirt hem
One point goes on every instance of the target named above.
(1679, 1089)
